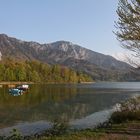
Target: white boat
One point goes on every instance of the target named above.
(23, 87)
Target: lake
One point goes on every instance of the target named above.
(82, 105)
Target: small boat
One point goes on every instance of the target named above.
(15, 92)
(23, 87)
(19, 90)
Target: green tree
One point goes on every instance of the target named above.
(28, 72)
(37, 72)
(56, 69)
(73, 76)
(65, 74)
(9, 75)
(35, 77)
(2, 70)
(21, 73)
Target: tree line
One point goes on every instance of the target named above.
(35, 71)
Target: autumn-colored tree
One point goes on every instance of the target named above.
(37, 72)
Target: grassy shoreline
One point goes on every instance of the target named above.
(122, 131)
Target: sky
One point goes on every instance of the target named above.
(89, 23)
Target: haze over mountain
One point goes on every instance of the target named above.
(99, 66)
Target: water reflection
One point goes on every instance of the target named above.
(61, 102)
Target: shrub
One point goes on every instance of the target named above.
(57, 129)
(127, 111)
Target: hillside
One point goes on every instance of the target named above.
(97, 65)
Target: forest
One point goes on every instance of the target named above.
(38, 72)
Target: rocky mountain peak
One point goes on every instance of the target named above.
(3, 38)
(61, 45)
(64, 53)
(72, 50)
(3, 35)
(6, 39)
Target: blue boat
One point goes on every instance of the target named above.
(15, 92)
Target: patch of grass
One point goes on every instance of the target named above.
(120, 117)
(79, 135)
(57, 129)
(15, 135)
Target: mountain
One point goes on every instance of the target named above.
(99, 66)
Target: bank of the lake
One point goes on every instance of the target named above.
(122, 131)
(124, 124)
(126, 128)
(39, 82)
(80, 104)
(16, 83)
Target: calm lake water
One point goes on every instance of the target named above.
(74, 103)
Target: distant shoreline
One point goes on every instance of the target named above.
(15, 83)
(87, 82)
(19, 82)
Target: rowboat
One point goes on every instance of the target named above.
(15, 92)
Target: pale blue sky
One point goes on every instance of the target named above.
(85, 22)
